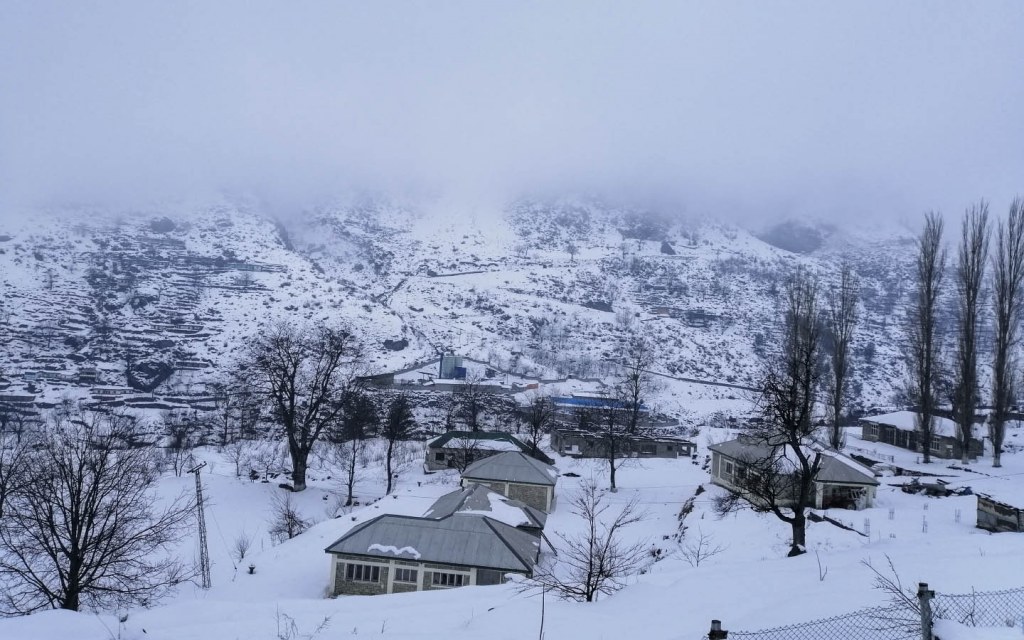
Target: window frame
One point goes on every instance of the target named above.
(448, 579)
(728, 468)
(414, 572)
(359, 572)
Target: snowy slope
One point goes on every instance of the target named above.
(176, 290)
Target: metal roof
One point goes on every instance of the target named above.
(461, 539)
(512, 467)
(836, 468)
(482, 437)
(476, 497)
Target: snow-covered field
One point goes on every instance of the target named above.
(749, 585)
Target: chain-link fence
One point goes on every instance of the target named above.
(898, 622)
(878, 623)
(989, 609)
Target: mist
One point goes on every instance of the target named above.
(746, 109)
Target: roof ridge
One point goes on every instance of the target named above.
(490, 523)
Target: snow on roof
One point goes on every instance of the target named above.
(907, 421)
(836, 468)
(512, 467)
(478, 499)
(473, 541)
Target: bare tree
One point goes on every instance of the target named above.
(923, 328)
(83, 531)
(398, 423)
(302, 375)
(180, 433)
(286, 522)
(14, 453)
(1008, 280)
(466, 449)
(238, 453)
(242, 544)
(637, 382)
(970, 274)
(781, 481)
(698, 551)
(597, 561)
(537, 416)
(614, 430)
(346, 456)
(841, 320)
(470, 402)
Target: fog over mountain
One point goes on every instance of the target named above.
(825, 110)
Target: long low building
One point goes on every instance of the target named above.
(592, 443)
(901, 429)
(458, 449)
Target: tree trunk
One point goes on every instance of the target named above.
(391, 446)
(70, 601)
(799, 526)
(611, 461)
(298, 471)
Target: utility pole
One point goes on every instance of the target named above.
(204, 550)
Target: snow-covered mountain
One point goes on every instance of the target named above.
(163, 299)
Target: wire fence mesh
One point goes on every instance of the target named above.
(987, 609)
(878, 623)
(977, 609)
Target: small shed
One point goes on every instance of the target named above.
(517, 476)
(997, 512)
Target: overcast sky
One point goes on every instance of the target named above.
(813, 108)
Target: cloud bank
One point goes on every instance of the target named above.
(831, 109)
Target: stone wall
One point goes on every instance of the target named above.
(534, 495)
(353, 587)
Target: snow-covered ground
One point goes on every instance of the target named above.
(749, 585)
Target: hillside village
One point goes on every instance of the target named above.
(497, 464)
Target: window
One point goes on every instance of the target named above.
(439, 456)
(648, 449)
(362, 573)
(405, 575)
(439, 579)
(727, 468)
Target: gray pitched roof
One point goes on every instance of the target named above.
(512, 467)
(478, 498)
(460, 539)
(742, 449)
(836, 468)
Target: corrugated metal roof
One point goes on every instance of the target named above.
(476, 497)
(460, 539)
(512, 467)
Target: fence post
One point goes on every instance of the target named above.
(716, 632)
(924, 598)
